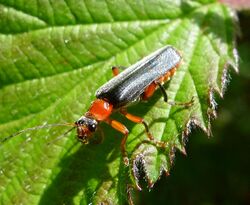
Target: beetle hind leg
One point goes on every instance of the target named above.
(165, 96)
(149, 91)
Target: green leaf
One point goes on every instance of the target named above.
(53, 57)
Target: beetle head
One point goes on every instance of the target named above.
(86, 126)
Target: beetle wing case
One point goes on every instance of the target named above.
(127, 86)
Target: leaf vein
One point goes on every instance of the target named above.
(24, 13)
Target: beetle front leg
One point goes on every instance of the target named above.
(137, 119)
(121, 128)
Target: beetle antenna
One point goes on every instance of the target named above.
(35, 128)
(61, 136)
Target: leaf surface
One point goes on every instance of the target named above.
(53, 57)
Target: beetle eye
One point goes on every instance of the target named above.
(92, 127)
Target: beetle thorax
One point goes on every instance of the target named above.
(100, 110)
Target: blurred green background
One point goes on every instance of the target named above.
(215, 170)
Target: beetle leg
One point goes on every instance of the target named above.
(137, 119)
(165, 96)
(121, 128)
(163, 91)
(149, 91)
(115, 69)
(129, 194)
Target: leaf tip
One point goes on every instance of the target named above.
(167, 173)
(183, 151)
(136, 163)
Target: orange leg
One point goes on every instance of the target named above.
(137, 119)
(129, 194)
(149, 91)
(121, 128)
(115, 69)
